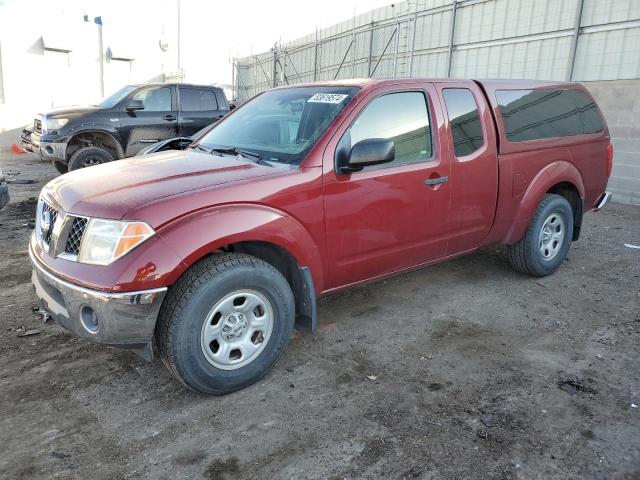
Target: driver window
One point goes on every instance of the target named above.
(155, 99)
(401, 117)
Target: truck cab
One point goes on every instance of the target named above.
(210, 256)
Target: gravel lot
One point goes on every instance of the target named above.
(460, 371)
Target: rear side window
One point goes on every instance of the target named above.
(464, 118)
(197, 100)
(589, 112)
(538, 114)
(402, 117)
(222, 102)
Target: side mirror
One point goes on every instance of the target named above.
(372, 151)
(134, 105)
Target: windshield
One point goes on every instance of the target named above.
(112, 100)
(281, 125)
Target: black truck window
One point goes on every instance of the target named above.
(155, 99)
(197, 100)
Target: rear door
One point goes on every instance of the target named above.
(473, 180)
(388, 217)
(198, 108)
(158, 121)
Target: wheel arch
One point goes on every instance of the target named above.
(94, 137)
(266, 233)
(560, 177)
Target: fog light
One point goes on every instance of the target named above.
(89, 319)
(49, 150)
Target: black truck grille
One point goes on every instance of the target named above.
(75, 236)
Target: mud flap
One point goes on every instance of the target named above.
(306, 309)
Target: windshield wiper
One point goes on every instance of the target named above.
(245, 153)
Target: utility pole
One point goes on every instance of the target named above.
(98, 21)
(179, 66)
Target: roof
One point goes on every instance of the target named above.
(161, 84)
(495, 84)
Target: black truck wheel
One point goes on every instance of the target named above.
(547, 240)
(88, 157)
(225, 323)
(60, 167)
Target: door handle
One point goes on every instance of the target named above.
(436, 181)
(169, 118)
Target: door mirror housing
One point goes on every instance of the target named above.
(372, 151)
(134, 105)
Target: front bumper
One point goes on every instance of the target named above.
(33, 143)
(125, 320)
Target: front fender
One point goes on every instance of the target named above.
(200, 233)
(560, 171)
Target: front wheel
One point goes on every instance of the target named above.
(88, 157)
(225, 323)
(547, 240)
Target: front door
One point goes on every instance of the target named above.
(392, 216)
(157, 121)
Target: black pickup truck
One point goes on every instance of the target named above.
(123, 124)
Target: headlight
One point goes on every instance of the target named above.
(104, 241)
(55, 123)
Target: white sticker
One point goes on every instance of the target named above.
(327, 98)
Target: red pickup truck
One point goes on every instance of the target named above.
(210, 256)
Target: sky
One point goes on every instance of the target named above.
(211, 31)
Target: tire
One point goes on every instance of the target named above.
(88, 157)
(60, 167)
(541, 253)
(189, 314)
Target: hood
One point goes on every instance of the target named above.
(70, 112)
(112, 189)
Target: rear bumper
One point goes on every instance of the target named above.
(125, 320)
(602, 202)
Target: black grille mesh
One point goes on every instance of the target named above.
(46, 236)
(75, 236)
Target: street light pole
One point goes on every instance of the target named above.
(179, 68)
(98, 21)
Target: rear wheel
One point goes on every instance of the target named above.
(88, 157)
(60, 167)
(547, 240)
(225, 323)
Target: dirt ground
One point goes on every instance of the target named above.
(460, 371)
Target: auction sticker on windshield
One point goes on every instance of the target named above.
(327, 98)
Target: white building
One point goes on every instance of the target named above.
(51, 53)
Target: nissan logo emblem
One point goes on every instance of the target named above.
(45, 221)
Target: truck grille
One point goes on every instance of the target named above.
(70, 232)
(74, 239)
(46, 235)
(37, 126)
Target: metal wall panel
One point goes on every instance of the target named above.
(491, 38)
(608, 55)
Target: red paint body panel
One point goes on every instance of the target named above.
(347, 229)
